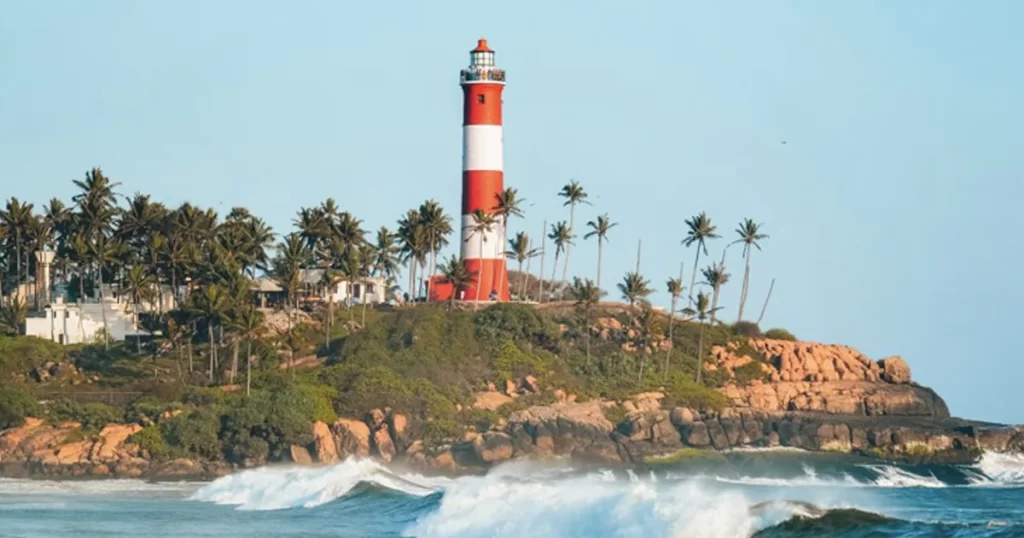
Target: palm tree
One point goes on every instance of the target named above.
(16, 219)
(367, 255)
(703, 311)
(675, 289)
(508, 204)
(574, 194)
(248, 321)
(700, 230)
(645, 326)
(329, 279)
(455, 273)
(211, 305)
(287, 270)
(415, 246)
(104, 252)
(750, 234)
(586, 294)
(387, 250)
(482, 225)
(634, 288)
(715, 277)
(600, 229)
(520, 251)
(139, 285)
(437, 225)
(561, 234)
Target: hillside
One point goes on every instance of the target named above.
(463, 389)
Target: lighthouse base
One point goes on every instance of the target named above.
(490, 283)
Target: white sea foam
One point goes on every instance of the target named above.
(999, 469)
(21, 487)
(278, 487)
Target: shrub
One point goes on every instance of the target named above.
(195, 433)
(147, 411)
(436, 432)
(615, 414)
(746, 328)
(20, 354)
(151, 439)
(749, 372)
(92, 416)
(15, 405)
(780, 334)
(479, 419)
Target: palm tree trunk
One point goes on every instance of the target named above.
(572, 227)
(554, 268)
(138, 338)
(330, 320)
(543, 251)
(765, 307)
(693, 279)
(209, 329)
(188, 344)
(103, 308)
(479, 275)
(700, 353)
(364, 308)
(248, 368)
(714, 302)
(600, 251)
(234, 358)
(501, 252)
(746, 282)
(586, 327)
(668, 350)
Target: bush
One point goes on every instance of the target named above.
(195, 433)
(749, 372)
(746, 328)
(147, 411)
(20, 354)
(436, 432)
(92, 416)
(15, 405)
(780, 334)
(151, 439)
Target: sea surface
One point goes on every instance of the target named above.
(746, 493)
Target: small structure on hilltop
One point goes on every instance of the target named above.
(312, 289)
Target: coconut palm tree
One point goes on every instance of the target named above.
(16, 219)
(574, 195)
(139, 284)
(508, 204)
(104, 251)
(634, 288)
(437, 225)
(586, 294)
(702, 311)
(699, 231)
(715, 277)
(645, 326)
(455, 273)
(750, 233)
(520, 251)
(675, 290)
(367, 255)
(248, 322)
(415, 246)
(599, 228)
(482, 224)
(211, 305)
(287, 270)
(561, 234)
(12, 316)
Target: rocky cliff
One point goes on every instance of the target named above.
(805, 395)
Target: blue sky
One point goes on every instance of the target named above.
(892, 207)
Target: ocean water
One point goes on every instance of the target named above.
(764, 494)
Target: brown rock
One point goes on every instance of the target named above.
(72, 453)
(490, 401)
(493, 447)
(300, 455)
(351, 438)
(510, 388)
(110, 439)
(383, 444)
(529, 384)
(323, 443)
(895, 370)
(99, 470)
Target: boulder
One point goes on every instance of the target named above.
(490, 401)
(110, 439)
(895, 370)
(300, 455)
(324, 447)
(351, 438)
(382, 444)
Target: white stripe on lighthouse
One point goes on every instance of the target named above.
(492, 247)
(482, 147)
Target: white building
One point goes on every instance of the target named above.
(371, 290)
(68, 323)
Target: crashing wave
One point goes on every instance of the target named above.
(999, 469)
(275, 488)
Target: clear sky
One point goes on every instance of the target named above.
(892, 206)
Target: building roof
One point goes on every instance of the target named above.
(481, 46)
(265, 285)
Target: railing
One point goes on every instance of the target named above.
(112, 397)
(482, 75)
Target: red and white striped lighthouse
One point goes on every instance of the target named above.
(482, 155)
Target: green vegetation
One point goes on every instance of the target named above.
(226, 376)
(780, 334)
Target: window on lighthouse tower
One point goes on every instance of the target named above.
(483, 59)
